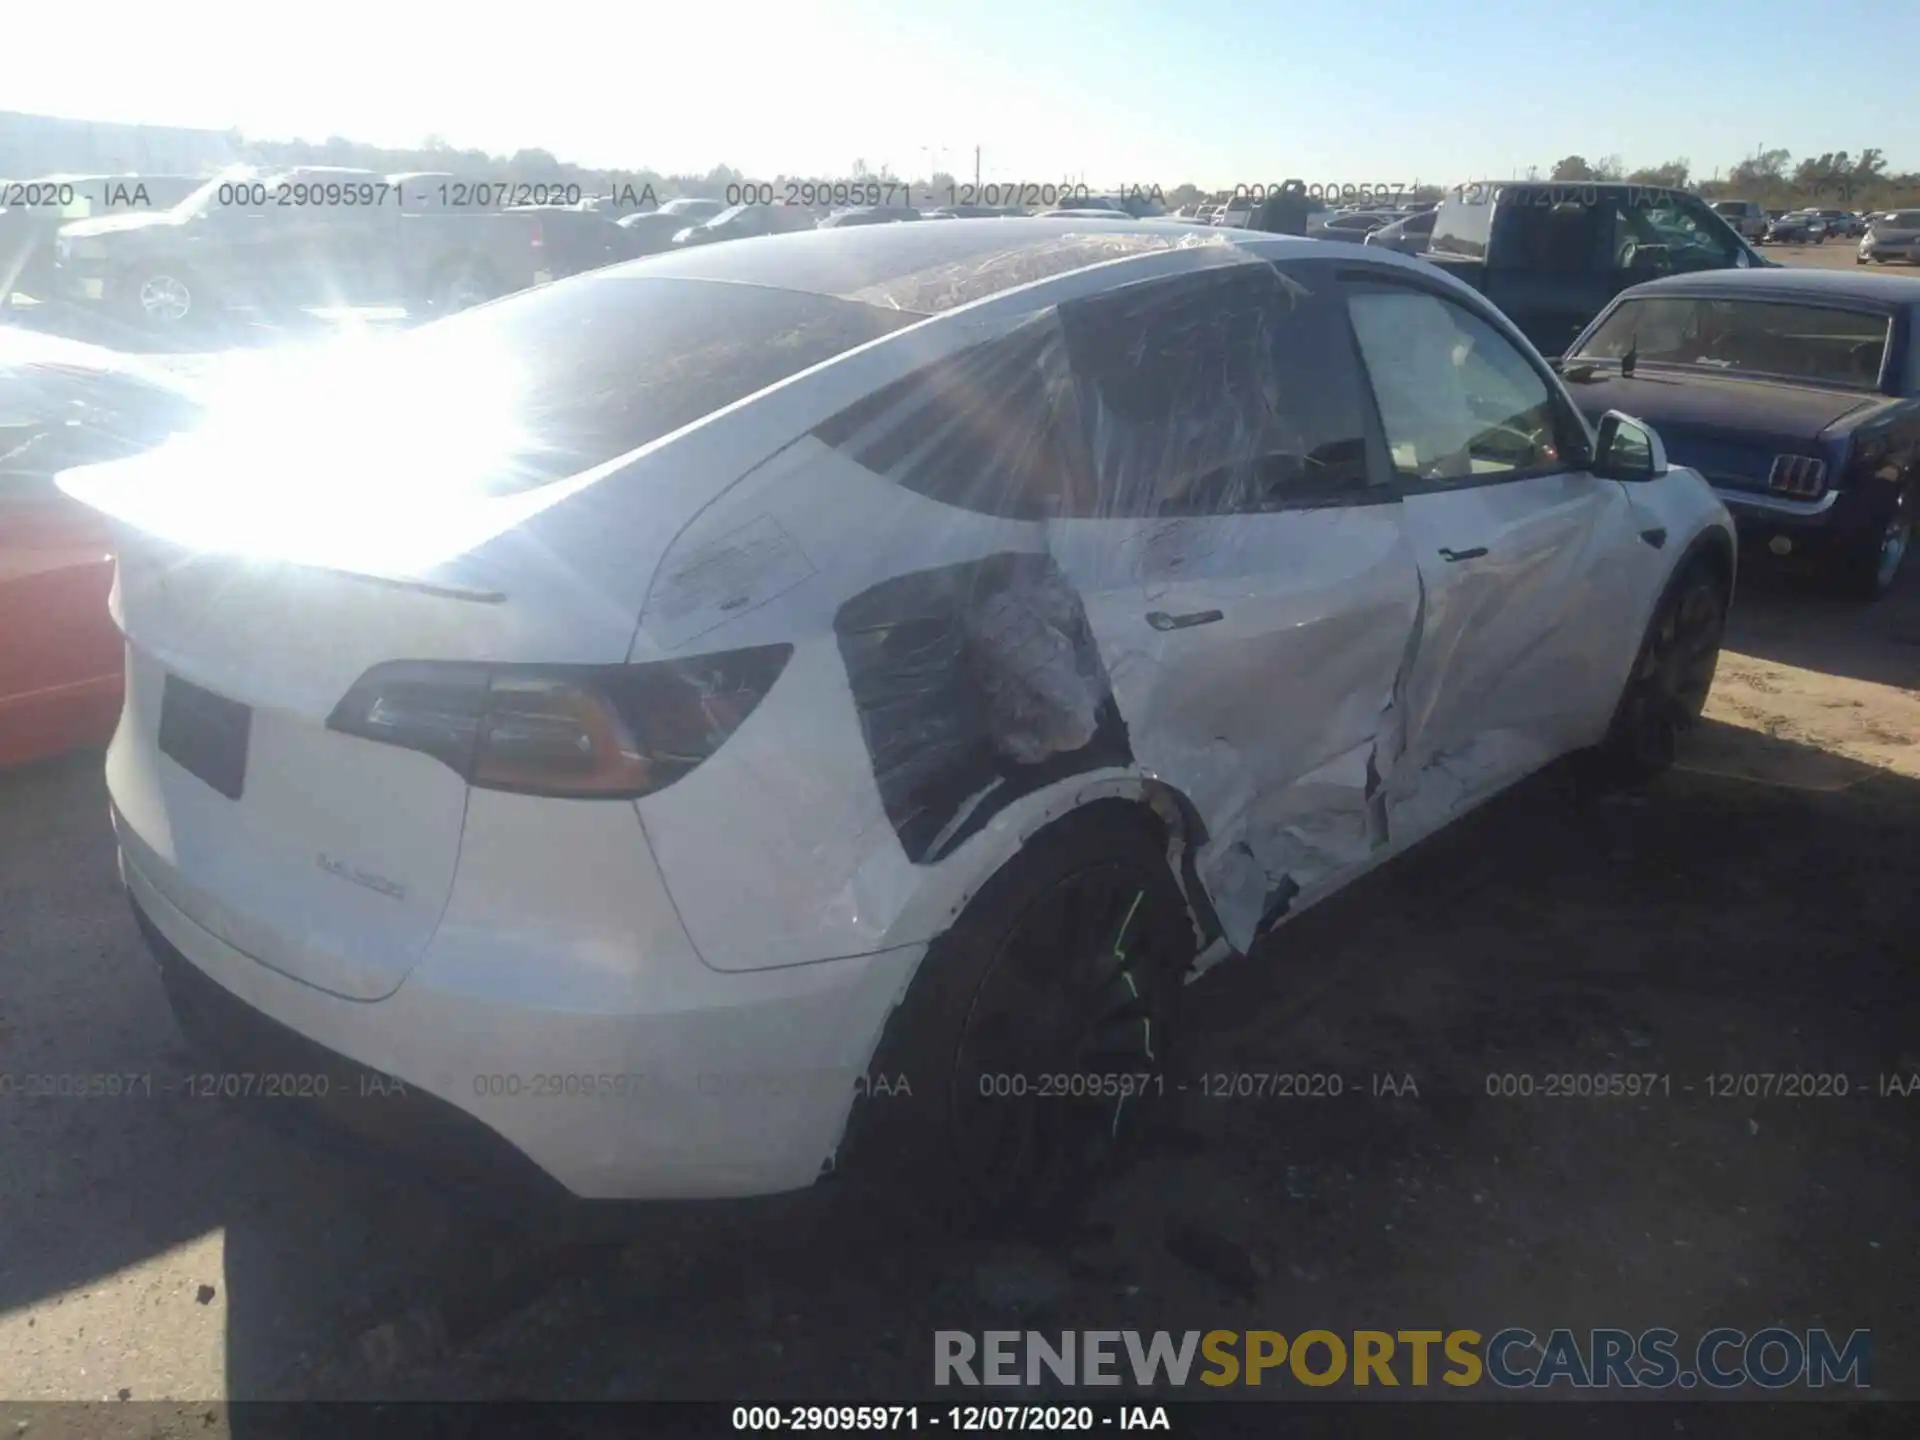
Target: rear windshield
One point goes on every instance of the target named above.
(1817, 343)
(553, 381)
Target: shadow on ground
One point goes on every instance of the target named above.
(1780, 619)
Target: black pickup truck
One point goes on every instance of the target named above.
(32, 212)
(294, 239)
(1553, 255)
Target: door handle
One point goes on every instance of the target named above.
(1160, 620)
(1453, 555)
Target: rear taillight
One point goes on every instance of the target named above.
(1804, 476)
(588, 731)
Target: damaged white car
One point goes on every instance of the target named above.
(807, 704)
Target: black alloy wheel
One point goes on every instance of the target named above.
(1667, 689)
(1034, 1037)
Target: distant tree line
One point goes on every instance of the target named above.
(1837, 179)
(1770, 177)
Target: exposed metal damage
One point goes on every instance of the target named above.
(975, 684)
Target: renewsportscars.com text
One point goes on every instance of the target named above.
(1511, 1359)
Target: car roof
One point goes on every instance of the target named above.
(972, 258)
(1504, 185)
(1788, 283)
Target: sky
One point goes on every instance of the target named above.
(1219, 92)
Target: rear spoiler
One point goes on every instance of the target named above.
(420, 587)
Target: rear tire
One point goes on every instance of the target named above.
(1667, 688)
(1869, 567)
(1033, 1034)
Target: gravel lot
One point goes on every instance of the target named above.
(1754, 912)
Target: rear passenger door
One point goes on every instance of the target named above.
(1528, 562)
(1243, 567)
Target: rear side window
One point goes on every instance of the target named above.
(1548, 239)
(1231, 392)
(991, 430)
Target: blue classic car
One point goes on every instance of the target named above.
(1796, 392)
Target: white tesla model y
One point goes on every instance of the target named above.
(808, 703)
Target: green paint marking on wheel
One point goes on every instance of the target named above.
(1120, 940)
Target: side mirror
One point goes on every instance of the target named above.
(1628, 449)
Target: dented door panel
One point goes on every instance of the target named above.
(1271, 718)
(1514, 664)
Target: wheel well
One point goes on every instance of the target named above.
(1173, 821)
(1714, 551)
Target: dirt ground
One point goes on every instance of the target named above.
(1755, 911)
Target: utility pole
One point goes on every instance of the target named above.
(976, 170)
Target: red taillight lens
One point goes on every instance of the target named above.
(602, 731)
(1804, 476)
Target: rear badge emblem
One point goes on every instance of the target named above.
(365, 879)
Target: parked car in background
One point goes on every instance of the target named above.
(64, 404)
(1893, 235)
(970, 212)
(29, 229)
(573, 239)
(1352, 226)
(692, 208)
(739, 222)
(651, 233)
(1797, 227)
(1408, 235)
(884, 498)
(1237, 212)
(1745, 216)
(231, 245)
(1796, 392)
(1843, 223)
(868, 215)
(1552, 256)
(1206, 213)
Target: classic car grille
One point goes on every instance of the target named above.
(1802, 476)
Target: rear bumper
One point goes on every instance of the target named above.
(262, 1059)
(1812, 526)
(729, 1085)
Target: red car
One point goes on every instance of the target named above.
(63, 405)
